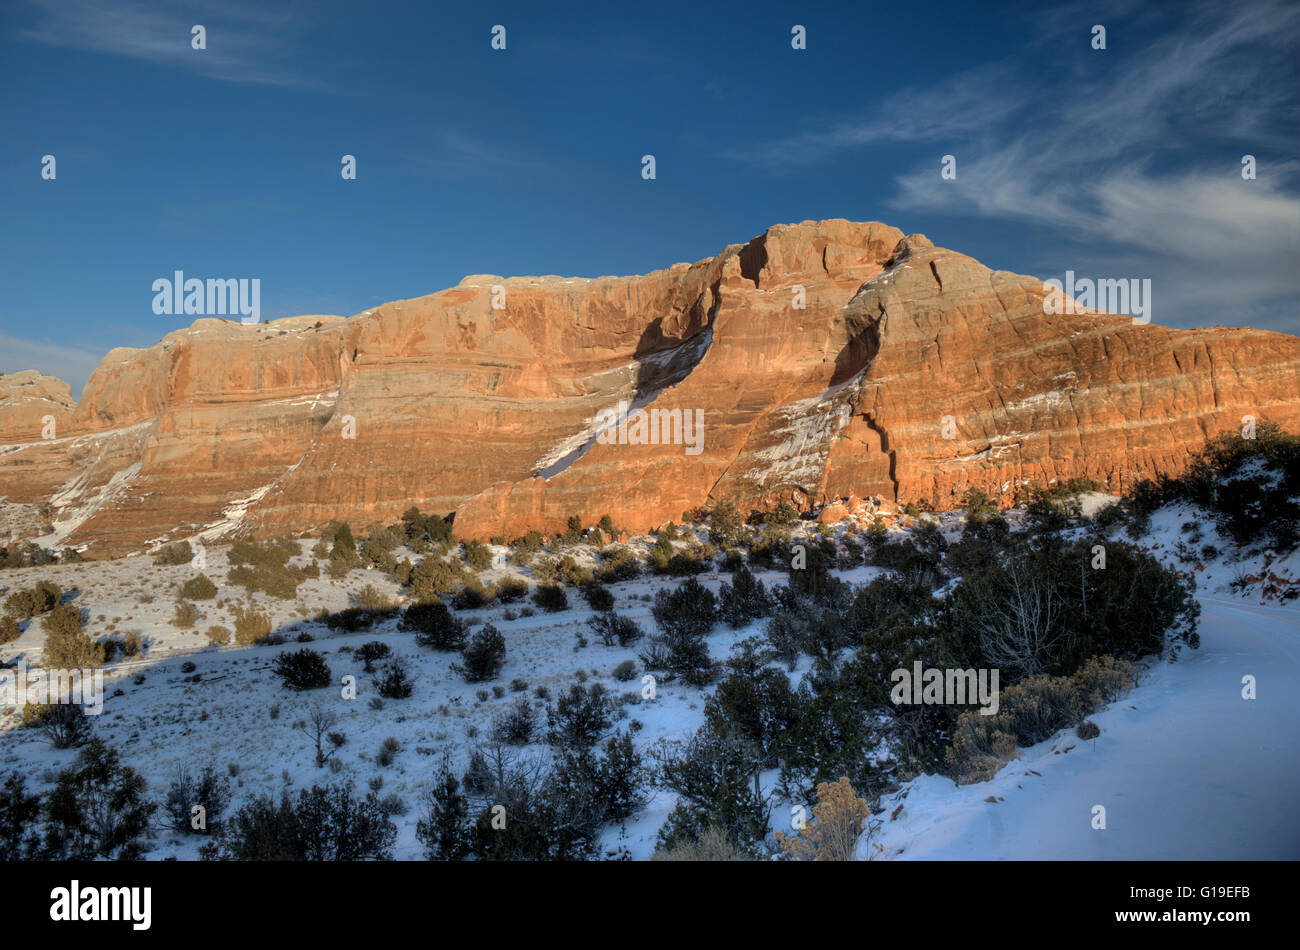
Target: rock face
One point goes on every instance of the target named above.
(821, 361)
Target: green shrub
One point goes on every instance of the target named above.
(302, 669)
(434, 575)
(551, 598)
(685, 616)
(19, 813)
(744, 600)
(395, 681)
(625, 672)
(323, 824)
(611, 629)
(434, 625)
(354, 619)
(444, 830)
(512, 589)
(617, 563)
(368, 653)
(784, 515)
(431, 527)
(65, 724)
(473, 595)
(178, 552)
(579, 718)
(208, 789)
(598, 596)
(725, 524)
(33, 601)
(517, 725)
(572, 573)
(199, 588)
(712, 776)
(97, 809)
(67, 645)
(278, 580)
(477, 556)
(483, 656)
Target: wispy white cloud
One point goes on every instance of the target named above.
(1136, 161)
(958, 107)
(245, 43)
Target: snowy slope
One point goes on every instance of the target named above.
(1185, 767)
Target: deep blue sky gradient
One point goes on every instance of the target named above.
(225, 162)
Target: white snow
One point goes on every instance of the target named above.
(1185, 768)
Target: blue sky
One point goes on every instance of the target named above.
(225, 162)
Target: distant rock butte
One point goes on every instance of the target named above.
(222, 429)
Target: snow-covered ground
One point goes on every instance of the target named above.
(239, 714)
(1184, 766)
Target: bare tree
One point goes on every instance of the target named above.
(1018, 617)
(317, 727)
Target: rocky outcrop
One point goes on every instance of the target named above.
(820, 361)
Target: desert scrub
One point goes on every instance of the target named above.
(387, 752)
(511, 589)
(24, 604)
(551, 598)
(67, 645)
(172, 554)
(275, 579)
(199, 588)
(597, 596)
(218, 635)
(711, 845)
(371, 599)
(544, 569)
(251, 625)
(186, 615)
(473, 595)
(477, 556)
(276, 552)
(838, 821)
(617, 563)
(9, 630)
(1031, 711)
(625, 671)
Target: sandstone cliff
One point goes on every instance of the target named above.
(909, 372)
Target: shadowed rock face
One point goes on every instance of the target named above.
(910, 371)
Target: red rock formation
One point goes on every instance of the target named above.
(451, 403)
